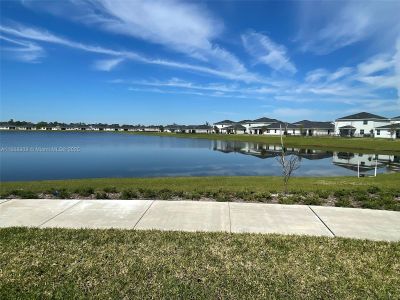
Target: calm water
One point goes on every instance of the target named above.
(62, 155)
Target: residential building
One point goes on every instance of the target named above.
(280, 127)
(313, 128)
(222, 124)
(233, 129)
(360, 124)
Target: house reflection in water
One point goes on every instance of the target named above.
(367, 161)
(385, 162)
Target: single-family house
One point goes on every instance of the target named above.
(152, 128)
(315, 128)
(395, 120)
(256, 126)
(278, 127)
(199, 129)
(389, 131)
(7, 126)
(233, 129)
(222, 124)
(360, 124)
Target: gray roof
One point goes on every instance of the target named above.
(225, 122)
(236, 127)
(396, 118)
(265, 120)
(282, 125)
(315, 124)
(363, 116)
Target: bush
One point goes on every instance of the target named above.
(101, 195)
(85, 191)
(343, 202)
(165, 194)
(312, 200)
(110, 189)
(25, 194)
(129, 194)
(287, 199)
(323, 194)
(373, 190)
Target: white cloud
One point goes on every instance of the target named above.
(185, 27)
(45, 36)
(327, 26)
(23, 50)
(107, 64)
(267, 52)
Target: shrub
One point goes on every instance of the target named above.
(373, 189)
(323, 194)
(287, 199)
(343, 202)
(147, 193)
(312, 200)
(85, 191)
(165, 194)
(129, 194)
(24, 194)
(110, 189)
(101, 195)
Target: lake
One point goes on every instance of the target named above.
(66, 155)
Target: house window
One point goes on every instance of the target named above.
(275, 130)
(267, 130)
(378, 132)
(365, 122)
(294, 131)
(362, 131)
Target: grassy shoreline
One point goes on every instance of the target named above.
(362, 145)
(381, 192)
(119, 264)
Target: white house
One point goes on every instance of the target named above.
(389, 131)
(199, 129)
(234, 129)
(312, 128)
(395, 120)
(360, 124)
(255, 126)
(7, 126)
(222, 124)
(277, 127)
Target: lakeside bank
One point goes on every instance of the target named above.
(381, 192)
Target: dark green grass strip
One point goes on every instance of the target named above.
(112, 264)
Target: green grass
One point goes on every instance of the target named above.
(117, 264)
(229, 183)
(362, 145)
(381, 192)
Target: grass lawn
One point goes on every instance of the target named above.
(362, 145)
(381, 192)
(66, 263)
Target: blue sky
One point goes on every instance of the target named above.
(190, 62)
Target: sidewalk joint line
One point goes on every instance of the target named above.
(69, 207)
(134, 227)
(334, 235)
(6, 200)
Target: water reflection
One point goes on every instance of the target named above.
(348, 160)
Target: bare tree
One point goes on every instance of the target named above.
(288, 163)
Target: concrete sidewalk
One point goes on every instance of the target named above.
(203, 216)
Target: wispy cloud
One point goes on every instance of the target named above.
(327, 26)
(107, 64)
(23, 50)
(45, 36)
(267, 52)
(185, 27)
